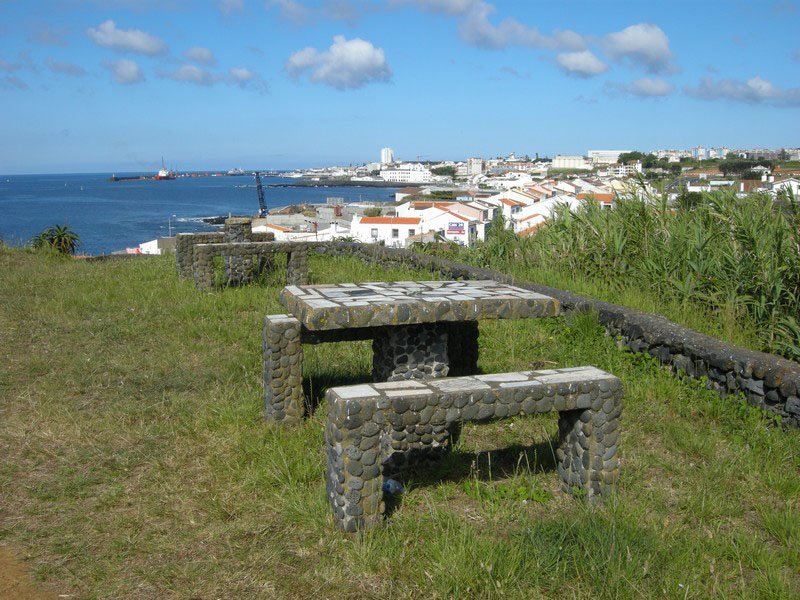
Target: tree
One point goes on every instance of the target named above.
(650, 161)
(627, 157)
(59, 237)
(447, 171)
(373, 211)
(675, 168)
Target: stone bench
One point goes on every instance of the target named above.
(236, 229)
(376, 430)
(240, 261)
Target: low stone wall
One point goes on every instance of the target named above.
(240, 260)
(767, 381)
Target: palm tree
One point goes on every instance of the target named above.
(59, 237)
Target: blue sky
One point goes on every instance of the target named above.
(112, 85)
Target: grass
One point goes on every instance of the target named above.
(134, 462)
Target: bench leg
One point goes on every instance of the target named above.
(203, 271)
(283, 369)
(353, 479)
(587, 456)
(297, 267)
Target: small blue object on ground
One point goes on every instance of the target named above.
(392, 487)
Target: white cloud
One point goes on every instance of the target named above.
(247, 79)
(241, 74)
(65, 68)
(650, 87)
(227, 7)
(125, 71)
(13, 82)
(642, 44)
(582, 64)
(48, 36)
(478, 30)
(200, 55)
(448, 7)
(347, 64)
(9, 66)
(300, 13)
(126, 40)
(191, 74)
(755, 90)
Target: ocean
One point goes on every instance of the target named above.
(111, 216)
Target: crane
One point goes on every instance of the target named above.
(262, 205)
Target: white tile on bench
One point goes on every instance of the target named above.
(516, 384)
(355, 391)
(503, 377)
(415, 392)
(397, 385)
(458, 384)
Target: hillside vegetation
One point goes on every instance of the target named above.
(724, 265)
(134, 462)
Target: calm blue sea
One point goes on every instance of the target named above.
(110, 216)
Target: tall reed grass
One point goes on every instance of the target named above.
(715, 251)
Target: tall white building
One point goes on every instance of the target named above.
(570, 162)
(605, 157)
(387, 156)
(475, 166)
(408, 173)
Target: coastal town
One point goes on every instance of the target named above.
(459, 201)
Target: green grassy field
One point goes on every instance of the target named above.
(134, 462)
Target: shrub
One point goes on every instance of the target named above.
(58, 237)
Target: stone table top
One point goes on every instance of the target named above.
(352, 305)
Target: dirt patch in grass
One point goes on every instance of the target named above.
(16, 582)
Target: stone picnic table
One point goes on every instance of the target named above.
(419, 329)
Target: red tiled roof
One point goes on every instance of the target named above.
(278, 227)
(390, 220)
(598, 197)
(532, 229)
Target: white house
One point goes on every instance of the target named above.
(408, 173)
(392, 231)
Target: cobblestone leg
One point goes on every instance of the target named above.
(203, 269)
(297, 266)
(462, 348)
(183, 255)
(283, 369)
(353, 480)
(410, 352)
(238, 270)
(587, 456)
(413, 352)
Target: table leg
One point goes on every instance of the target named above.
(283, 369)
(406, 353)
(462, 348)
(410, 352)
(297, 266)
